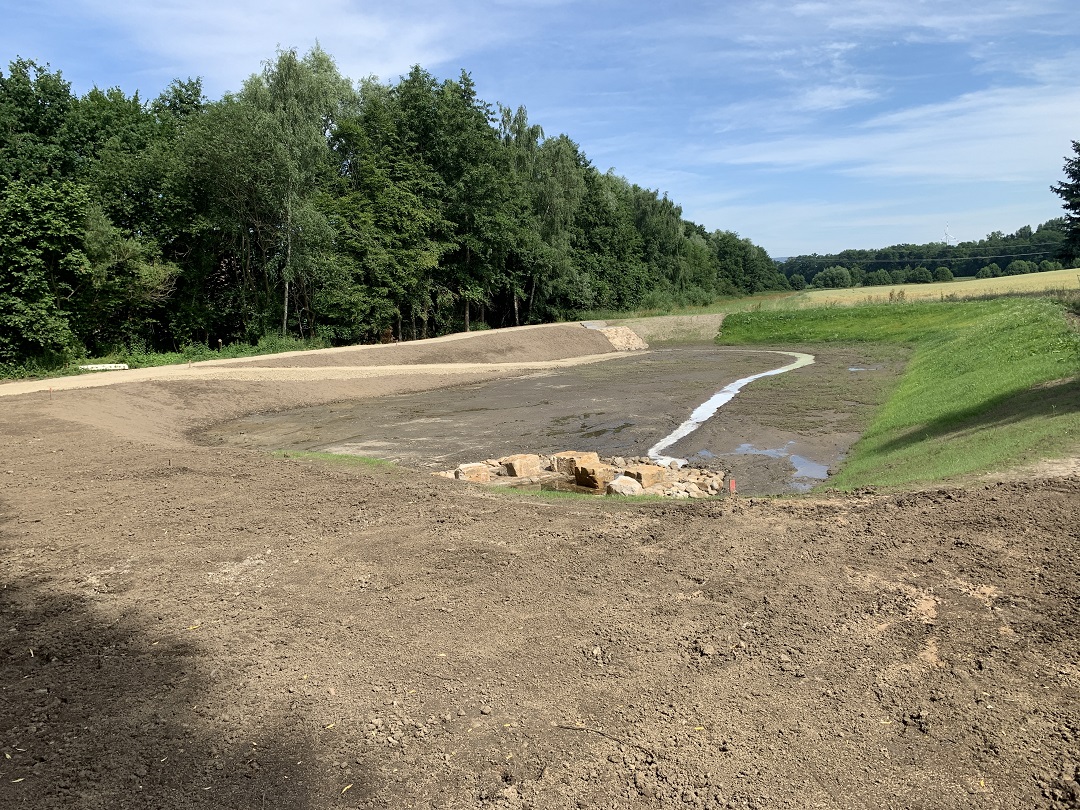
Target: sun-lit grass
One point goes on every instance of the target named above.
(1053, 281)
(991, 383)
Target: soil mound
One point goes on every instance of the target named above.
(520, 345)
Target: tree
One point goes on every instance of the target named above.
(44, 269)
(833, 278)
(943, 274)
(262, 157)
(34, 105)
(1069, 191)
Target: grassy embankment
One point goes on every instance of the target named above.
(991, 384)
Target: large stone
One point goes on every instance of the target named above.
(624, 485)
(647, 474)
(521, 465)
(595, 476)
(568, 461)
(478, 472)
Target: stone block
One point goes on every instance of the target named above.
(568, 461)
(479, 472)
(595, 476)
(522, 465)
(647, 474)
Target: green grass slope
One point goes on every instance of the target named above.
(991, 384)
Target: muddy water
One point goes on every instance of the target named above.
(620, 407)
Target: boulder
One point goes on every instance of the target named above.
(521, 465)
(647, 474)
(568, 461)
(478, 472)
(624, 485)
(595, 476)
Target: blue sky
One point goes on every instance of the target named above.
(805, 126)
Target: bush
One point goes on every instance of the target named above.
(943, 274)
(877, 278)
(920, 275)
(833, 278)
(1020, 267)
(989, 271)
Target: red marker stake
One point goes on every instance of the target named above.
(731, 486)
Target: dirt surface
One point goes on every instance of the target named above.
(617, 408)
(191, 626)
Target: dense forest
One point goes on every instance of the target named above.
(1026, 251)
(309, 205)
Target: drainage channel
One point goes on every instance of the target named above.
(705, 411)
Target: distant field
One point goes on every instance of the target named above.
(963, 288)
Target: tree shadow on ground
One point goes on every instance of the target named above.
(1056, 398)
(101, 714)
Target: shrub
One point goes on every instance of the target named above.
(833, 278)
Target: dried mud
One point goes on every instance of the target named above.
(193, 626)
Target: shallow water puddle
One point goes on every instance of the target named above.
(807, 471)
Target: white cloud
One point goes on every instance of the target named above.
(1008, 134)
(229, 39)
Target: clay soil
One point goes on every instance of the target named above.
(197, 625)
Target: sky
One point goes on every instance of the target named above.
(807, 127)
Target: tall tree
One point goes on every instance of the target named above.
(45, 270)
(34, 106)
(1069, 191)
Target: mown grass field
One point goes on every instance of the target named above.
(992, 384)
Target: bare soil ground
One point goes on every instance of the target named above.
(192, 626)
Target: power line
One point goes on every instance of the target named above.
(836, 259)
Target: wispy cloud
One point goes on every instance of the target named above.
(1006, 134)
(774, 118)
(229, 40)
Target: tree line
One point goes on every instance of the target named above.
(1026, 251)
(310, 205)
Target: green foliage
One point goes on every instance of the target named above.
(943, 274)
(920, 275)
(34, 105)
(991, 383)
(1019, 267)
(45, 270)
(833, 278)
(963, 259)
(1069, 191)
(303, 205)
